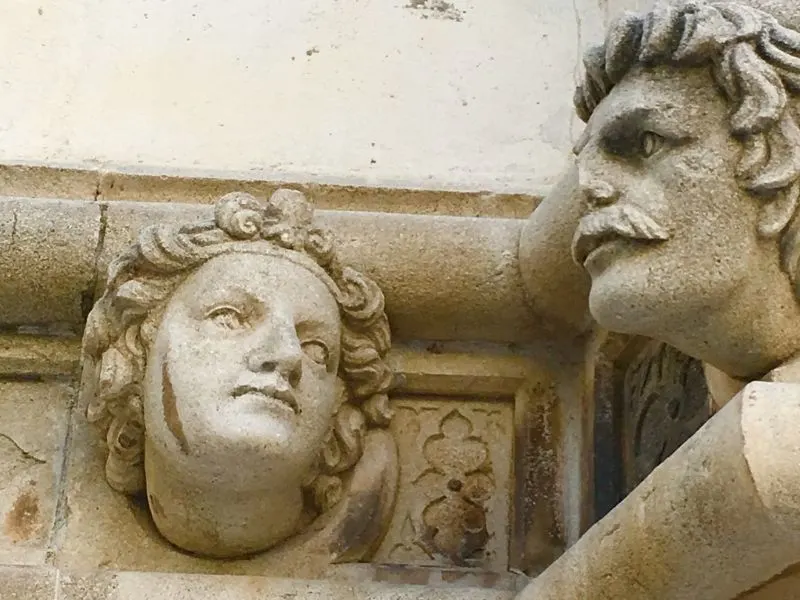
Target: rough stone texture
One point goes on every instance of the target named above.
(106, 530)
(32, 436)
(475, 370)
(76, 184)
(31, 356)
(33, 245)
(455, 482)
(120, 186)
(727, 498)
(643, 212)
(368, 93)
(785, 586)
(547, 504)
(441, 577)
(153, 586)
(28, 583)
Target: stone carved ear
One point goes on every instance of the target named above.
(777, 213)
(770, 167)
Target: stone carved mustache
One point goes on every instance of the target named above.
(613, 222)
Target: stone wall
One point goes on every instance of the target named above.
(425, 94)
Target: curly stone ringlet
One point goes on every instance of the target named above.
(123, 323)
(755, 61)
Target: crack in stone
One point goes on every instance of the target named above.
(25, 453)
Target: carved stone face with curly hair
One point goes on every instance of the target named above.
(241, 374)
(690, 172)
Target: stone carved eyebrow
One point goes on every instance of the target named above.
(619, 133)
(237, 296)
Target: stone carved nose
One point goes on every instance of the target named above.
(280, 352)
(596, 192)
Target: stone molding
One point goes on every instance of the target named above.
(477, 293)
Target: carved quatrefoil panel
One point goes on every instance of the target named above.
(453, 508)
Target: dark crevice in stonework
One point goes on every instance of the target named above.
(49, 330)
(88, 295)
(649, 400)
(35, 378)
(62, 500)
(609, 470)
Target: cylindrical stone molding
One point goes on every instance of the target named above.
(47, 256)
(717, 518)
(444, 278)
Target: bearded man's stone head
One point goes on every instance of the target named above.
(690, 172)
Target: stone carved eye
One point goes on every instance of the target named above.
(316, 351)
(650, 143)
(226, 317)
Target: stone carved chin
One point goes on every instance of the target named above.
(241, 384)
(689, 168)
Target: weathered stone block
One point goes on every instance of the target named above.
(33, 429)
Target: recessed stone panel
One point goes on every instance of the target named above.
(453, 506)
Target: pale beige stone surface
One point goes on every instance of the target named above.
(477, 295)
(645, 201)
(80, 184)
(442, 369)
(106, 530)
(441, 577)
(47, 260)
(33, 430)
(476, 97)
(28, 583)
(455, 484)
(153, 586)
(121, 186)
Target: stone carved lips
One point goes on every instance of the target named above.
(269, 392)
(620, 221)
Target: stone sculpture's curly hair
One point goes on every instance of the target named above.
(754, 60)
(122, 326)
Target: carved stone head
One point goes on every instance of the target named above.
(690, 170)
(240, 373)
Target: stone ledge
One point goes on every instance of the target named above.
(79, 184)
(476, 295)
(47, 583)
(38, 356)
